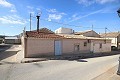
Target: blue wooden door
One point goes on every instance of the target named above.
(58, 48)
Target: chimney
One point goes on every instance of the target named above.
(38, 17)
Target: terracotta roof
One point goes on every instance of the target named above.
(43, 33)
(69, 36)
(83, 32)
(112, 34)
(44, 30)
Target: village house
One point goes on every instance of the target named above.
(46, 43)
(115, 38)
(63, 30)
(88, 33)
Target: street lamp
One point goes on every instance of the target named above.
(118, 72)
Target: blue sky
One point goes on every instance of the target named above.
(79, 15)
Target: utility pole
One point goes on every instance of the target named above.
(105, 33)
(30, 21)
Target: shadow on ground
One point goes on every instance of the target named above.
(81, 60)
(4, 47)
(80, 57)
(74, 57)
(6, 54)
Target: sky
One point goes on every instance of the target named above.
(79, 15)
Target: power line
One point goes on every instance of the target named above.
(60, 23)
(109, 30)
(68, 24)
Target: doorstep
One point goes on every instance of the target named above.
(29, 60)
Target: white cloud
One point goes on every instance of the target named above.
(106, 1)
(55, 11)
(38, 9)
(14, 19)
(4, 3)
(52, 10)
(31, 10)
(30, 7)
(85, 2)
(90, 2)
(76, 17)
(54, 16)
(13, 9)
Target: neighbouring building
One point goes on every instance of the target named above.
(115, 38)
(47, 43)
(12, 40)
(88, 33)
(1, 40)
(63, 30)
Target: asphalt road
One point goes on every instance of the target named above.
(85, 69)
(8, 53)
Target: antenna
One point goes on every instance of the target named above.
(92, 30)
(92, 27)
(105, 33)
(30, 21)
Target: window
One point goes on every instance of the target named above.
(100, 45)
(85, 43)
(89, 41)
(105, 41)
(76, 47)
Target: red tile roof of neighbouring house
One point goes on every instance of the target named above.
(43, 33)
(44, 30)
(111, 34)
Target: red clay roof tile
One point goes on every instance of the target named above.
(43, 33)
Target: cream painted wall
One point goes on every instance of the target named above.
(113, 41)
(45, 47)
(68, 46)
(39, 47)
(105, 48)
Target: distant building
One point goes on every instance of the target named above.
(2, 37)
(115, 38)
(12, 40)
(89, 33)
(63, 30)
(1, 40)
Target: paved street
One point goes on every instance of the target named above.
(85, 69)
(8, 53)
